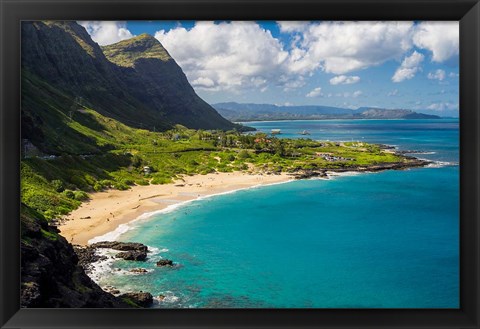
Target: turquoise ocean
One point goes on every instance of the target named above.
(369, 240)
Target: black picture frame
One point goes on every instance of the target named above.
(465, 11)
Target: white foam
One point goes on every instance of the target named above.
(423, 152)
(440, 164)
(100, 268)
(113, 235)
(169, 298)
(152, 251)
(344, 173)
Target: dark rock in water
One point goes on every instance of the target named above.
(165, 262)
(310, 173)
(386, 147)
(122, 246)
(51, 276)
(132, 255)
(139, 270)
(143, 299)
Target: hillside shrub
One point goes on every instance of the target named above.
(98, 187)
(243, 154)
(69, 194)
(58, 185)
(121, 186)
(80, 196)
(142, 182)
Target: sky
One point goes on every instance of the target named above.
(407, 65)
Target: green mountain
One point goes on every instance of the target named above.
(263, 112)
(135, 82)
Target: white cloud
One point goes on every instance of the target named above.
(453, 75)
(357, 93)
(315, 92)
(393, 93)
(233, 55)
(342, 47)
(106, 32)
(442, 106)
(203, 82)
(290, 83)
(293, 26)
(441, 38)
(409, 67)
(437, 75)
(345, 80)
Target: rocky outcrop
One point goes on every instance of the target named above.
(51, 275)
(132, 255)
(87, 256)
(410, 162)
(130, 250)
(310, 173)
(142, 299)
(122, 246)
(164, 262)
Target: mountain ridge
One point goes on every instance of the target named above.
(64, 70)
(261, 112)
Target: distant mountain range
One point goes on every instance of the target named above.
(238, 112)
(134, 81)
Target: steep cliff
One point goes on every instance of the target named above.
(51, 276)
(156, 79)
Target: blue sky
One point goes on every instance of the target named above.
(410, 65)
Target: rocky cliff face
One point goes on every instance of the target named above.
(160, 82)
(51, 276)
(137, 83)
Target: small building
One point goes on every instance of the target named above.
(147, 170)
(276, 131)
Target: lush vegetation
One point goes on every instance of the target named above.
(143, 46)
(55, 185)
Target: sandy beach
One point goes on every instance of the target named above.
(105, 211)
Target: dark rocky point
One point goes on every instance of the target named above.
(142, 299)
(132, 255)
(51, 276)
(139, 270)
(411, 162)
(165, 262)
(87, 256)
(122, 246)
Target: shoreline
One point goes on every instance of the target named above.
(107, 214)
(109, 211)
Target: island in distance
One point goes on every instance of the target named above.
(263, 112)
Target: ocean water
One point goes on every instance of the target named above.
(370, 240)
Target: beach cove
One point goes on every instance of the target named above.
(106, 211)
